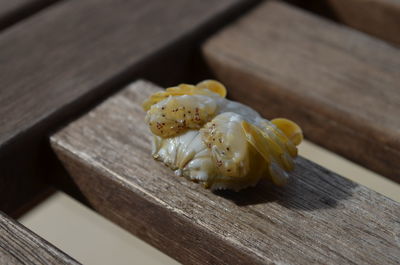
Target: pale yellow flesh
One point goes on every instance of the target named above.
(175, 115)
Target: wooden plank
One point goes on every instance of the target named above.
(342, 86)
(19, 245)
(380, 18)
(319, 217)
(57, 63)
(15, 10)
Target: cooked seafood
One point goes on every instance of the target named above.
(223, 144)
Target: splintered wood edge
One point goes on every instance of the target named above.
(18, 245)
(319, 216)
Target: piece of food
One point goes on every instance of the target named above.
(220, 143)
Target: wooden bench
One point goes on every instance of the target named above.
(319, 217)
(59, 74)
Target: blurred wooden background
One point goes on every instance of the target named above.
(332, 65)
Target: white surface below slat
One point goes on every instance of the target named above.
(87, 236)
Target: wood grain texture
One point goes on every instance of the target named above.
(319, 217)
(15, 10)
(58, 62)
(19, 245)
(341, 86)
(380, 18)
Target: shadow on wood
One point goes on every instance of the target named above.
(303, 192)
(13, 11)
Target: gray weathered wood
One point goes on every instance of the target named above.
(19, 245)
(340, 85)
(15, 10)
(319, 217)
(58, 62)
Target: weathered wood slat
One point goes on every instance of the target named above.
(380, 18)
(19, 245)
(15, 10)
(319, 217)
(56, 63)
(342, 86)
